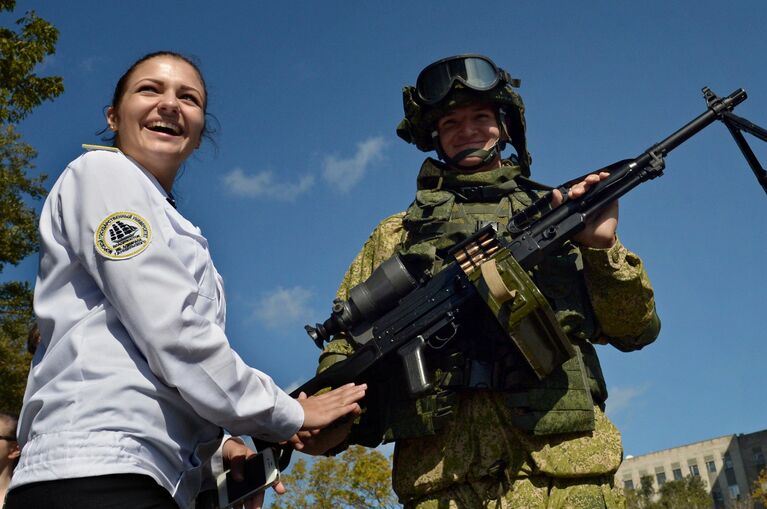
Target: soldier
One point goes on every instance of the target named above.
(490, 433)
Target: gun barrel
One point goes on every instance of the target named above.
(558, 225)
(716, 108)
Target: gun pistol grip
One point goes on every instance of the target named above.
(415, 370)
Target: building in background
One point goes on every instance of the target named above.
(727, 466)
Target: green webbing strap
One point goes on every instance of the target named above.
(445, 228)
(484, 193)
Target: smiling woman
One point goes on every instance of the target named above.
(160, 116)
(134, 379)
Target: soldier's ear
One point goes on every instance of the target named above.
(15, 452)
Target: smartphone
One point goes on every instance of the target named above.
(261, 472)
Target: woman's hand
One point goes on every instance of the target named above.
(319, 441)
(321, 410)
(234, 453)
(599, 231)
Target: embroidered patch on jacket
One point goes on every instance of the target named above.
(122, 235)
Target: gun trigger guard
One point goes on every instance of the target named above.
(441, 342)
(498, 289)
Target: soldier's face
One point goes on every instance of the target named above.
(469, 127)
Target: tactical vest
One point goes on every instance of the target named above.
(447, 209)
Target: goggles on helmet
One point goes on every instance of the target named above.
(474, 71)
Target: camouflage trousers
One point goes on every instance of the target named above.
(536, 492)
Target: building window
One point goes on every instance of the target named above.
(661, 478)
(758, 458)
(734, 491)
(729, 472)
(628, 484)
(718, 499)
(677, 474)
(694, 470)
(711, 466)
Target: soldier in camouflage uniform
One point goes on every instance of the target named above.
(506, 439)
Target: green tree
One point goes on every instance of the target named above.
(759, 488)
(647, 490)
(632, 499)
(641, 498)
(15, 310)
(359, 478)
(687, 493)
(22, 48)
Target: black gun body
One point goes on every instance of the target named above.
(425, 310)
(425, 306)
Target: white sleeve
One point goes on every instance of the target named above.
(154, 295)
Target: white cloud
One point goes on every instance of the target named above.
(284, 307)
(343, 174)
(263, 184)
(621, 398)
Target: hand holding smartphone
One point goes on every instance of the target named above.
(260, 472)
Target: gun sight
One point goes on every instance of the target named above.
(369, 300)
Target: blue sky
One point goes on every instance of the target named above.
(307, 97)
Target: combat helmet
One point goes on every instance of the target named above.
(458, 81)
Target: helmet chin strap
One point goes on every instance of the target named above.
(485, 156)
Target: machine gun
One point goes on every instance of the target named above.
(397, 310)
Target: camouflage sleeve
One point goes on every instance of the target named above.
(622, 296)
(380, 246)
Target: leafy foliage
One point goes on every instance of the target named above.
(759, 488)
(18, 228)
(632, 499)
(358, 478)
(15, 313)
(687, 493)
(21, 90)
(641, 498)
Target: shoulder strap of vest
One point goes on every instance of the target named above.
(532, 184)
